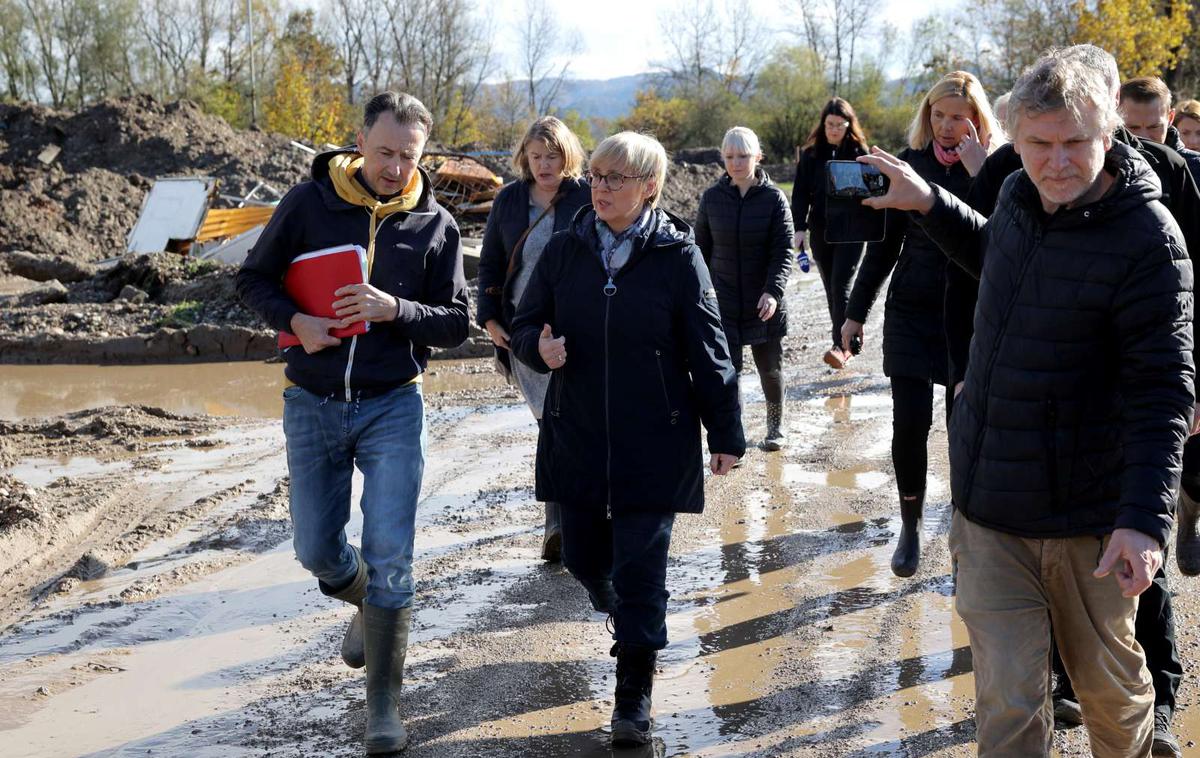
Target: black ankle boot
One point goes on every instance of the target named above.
(908, 547)
(631, 721)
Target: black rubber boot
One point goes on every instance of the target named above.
(552, 534)
(775, 439)
(1187, 535)
(386, 644)
(354, 594)
(1067, 713)
(631, 721)
(908, 547)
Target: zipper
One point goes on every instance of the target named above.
(350, 366)
(556, 412)
(607, 413)
(672, 415)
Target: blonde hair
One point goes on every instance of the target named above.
(1187, 109)
(962, 84)
(559, 137)
(636, 155)
(741, 138)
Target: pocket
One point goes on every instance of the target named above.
(556, 381)
(292, 392)
(672, 414)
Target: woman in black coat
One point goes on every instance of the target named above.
(948, 142)
(549, 160)
(744, 230)
(837, 136)
(621, 312)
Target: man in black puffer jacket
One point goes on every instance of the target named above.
(1066, 441)
(1155, 626)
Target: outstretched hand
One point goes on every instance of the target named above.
(907, 190)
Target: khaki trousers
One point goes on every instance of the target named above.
(1010, 592)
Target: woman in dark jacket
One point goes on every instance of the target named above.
(621, 311)
(837, 136)
(549, 160)
(744, 230)
(948, 142)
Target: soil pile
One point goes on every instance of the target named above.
(85, 202)
(686, 182)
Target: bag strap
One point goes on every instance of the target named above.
(512, 259)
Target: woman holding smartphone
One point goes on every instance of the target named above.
(837, 136)
(949, 138)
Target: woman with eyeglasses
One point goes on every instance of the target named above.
(622, 314)
(549, 161)
(744, 230)
(950, 136)
(837, 136)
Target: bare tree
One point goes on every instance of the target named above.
(442, 50)
(545, 51)
(346, 27)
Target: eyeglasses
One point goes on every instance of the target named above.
(836, 124)
(614, 180)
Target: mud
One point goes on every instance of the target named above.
(155, 606)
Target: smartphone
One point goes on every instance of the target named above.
(847, 184)
(854, 180)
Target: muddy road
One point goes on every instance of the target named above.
(150, 603)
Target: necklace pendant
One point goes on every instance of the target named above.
(610, 289)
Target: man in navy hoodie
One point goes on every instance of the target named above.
(357, 401)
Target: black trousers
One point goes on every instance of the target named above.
(837, 264)
(622, 563)
(1191, 468)
(912, 417)
(768, 359)
(1154, 630)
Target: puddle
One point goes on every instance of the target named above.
(248, 388)
(860, 477)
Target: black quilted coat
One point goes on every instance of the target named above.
(747, 243)
(1079, 389)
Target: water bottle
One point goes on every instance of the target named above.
(802, 259)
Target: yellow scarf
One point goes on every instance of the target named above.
(343, 169)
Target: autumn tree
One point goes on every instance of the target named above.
(307, 101)
(1145, 36)
(663, 118)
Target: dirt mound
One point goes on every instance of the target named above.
(686, 182)
(18, 501)
(85, 202)
(123, 427)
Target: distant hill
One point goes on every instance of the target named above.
(603, 98)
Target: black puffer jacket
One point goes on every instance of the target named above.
(506, 223)
(747, 243)
(808, 191)
(644, 367)
(1079, 390)
(914, 337)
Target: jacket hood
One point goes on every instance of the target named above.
(665, 229)
(426, 204)
(1174, 141)
(1136, 184)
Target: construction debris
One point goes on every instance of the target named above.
(171, 214)
(462, 184)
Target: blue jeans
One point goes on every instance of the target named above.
(385, 438)
(622, 563)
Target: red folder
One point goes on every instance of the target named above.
(311, 280)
